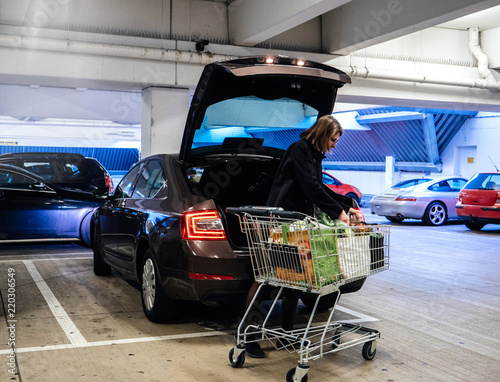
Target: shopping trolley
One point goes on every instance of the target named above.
(293, 250)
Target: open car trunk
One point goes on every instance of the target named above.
(243, 116)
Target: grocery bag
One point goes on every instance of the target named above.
(354, 255)
(376, 250)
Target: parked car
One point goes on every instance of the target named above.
(67, 170)
(166, 226)
(479, 201)
(432, 200)
(341, 188)
(32, 208)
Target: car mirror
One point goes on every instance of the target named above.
(101, 192)
(39, 186)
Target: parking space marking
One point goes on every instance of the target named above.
(67, 325)
(78, 341)
(119, 342)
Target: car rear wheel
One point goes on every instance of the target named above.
(353, 196)
(435, 214)
(474, 226)
(394, 219)
(100, 267)
(157, 306)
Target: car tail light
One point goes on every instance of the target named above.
(402, 199)
(202, 225)
(205, 276)
(109, 183)
(497, 199)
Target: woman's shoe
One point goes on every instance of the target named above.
(254, 350)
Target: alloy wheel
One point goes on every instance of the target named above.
(148, 284)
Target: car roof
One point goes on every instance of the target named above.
(41, 155)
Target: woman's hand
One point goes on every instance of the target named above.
(343, 217)
(356, 216)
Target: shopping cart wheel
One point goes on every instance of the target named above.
(291, 374)
(369, 350)
(239, 361)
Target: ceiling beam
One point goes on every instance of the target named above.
(252, 22)
(360, 24)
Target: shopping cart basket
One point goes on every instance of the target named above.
(292, 250)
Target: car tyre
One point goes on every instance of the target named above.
(353, 196)
(394, 219)
(325, 302)
(435, 214)
(474, 226)
(100, 267)
(157, 306)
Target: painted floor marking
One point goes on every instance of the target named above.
(116, 342)
(67, 325)
(78, 341)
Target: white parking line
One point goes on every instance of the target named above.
(117, 342)
(78, 341)
(75, 337)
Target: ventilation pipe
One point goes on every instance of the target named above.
(481, 57)
(113, 50)
(487, 80)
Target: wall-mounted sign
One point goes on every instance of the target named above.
(9, 143)
(470, 160)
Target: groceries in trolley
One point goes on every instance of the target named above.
(307, 253)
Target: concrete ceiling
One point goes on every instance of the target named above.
(58, 46)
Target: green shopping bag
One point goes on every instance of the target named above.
(324, 255)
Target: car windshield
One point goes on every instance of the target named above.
(260, 124)
(484, 182)
(411, 182)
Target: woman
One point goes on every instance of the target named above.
(298, 186)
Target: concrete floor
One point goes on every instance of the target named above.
(437, 309)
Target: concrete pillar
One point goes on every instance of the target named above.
(389, 171)
(164, 112)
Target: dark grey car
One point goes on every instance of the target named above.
(166, 226)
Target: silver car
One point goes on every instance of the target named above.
(431, 199)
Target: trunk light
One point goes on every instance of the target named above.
(202, 225)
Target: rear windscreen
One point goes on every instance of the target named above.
(484, 182)
(257, 122)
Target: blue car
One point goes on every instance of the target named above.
(32, 208)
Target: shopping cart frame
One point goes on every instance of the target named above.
(315, 340)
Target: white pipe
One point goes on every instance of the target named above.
(158, 54)
(113, 50)
(481, 57)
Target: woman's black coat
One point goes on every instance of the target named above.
(298, 185)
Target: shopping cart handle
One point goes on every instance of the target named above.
(266, 211)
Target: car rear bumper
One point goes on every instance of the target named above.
(413, 210)
(479, 214)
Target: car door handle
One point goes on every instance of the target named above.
(2, 195)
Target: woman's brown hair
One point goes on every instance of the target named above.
(322, 130)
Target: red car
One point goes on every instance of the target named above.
(342, 188)
(479, 200)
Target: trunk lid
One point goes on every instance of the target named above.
(257, 105)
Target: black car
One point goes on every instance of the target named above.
(166, 226)
(67, 170)
(32, 208)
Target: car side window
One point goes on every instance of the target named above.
(15, 181)
(457, 184)
(149, 179)
(442, 186)
(126, 187)
(329, 180)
